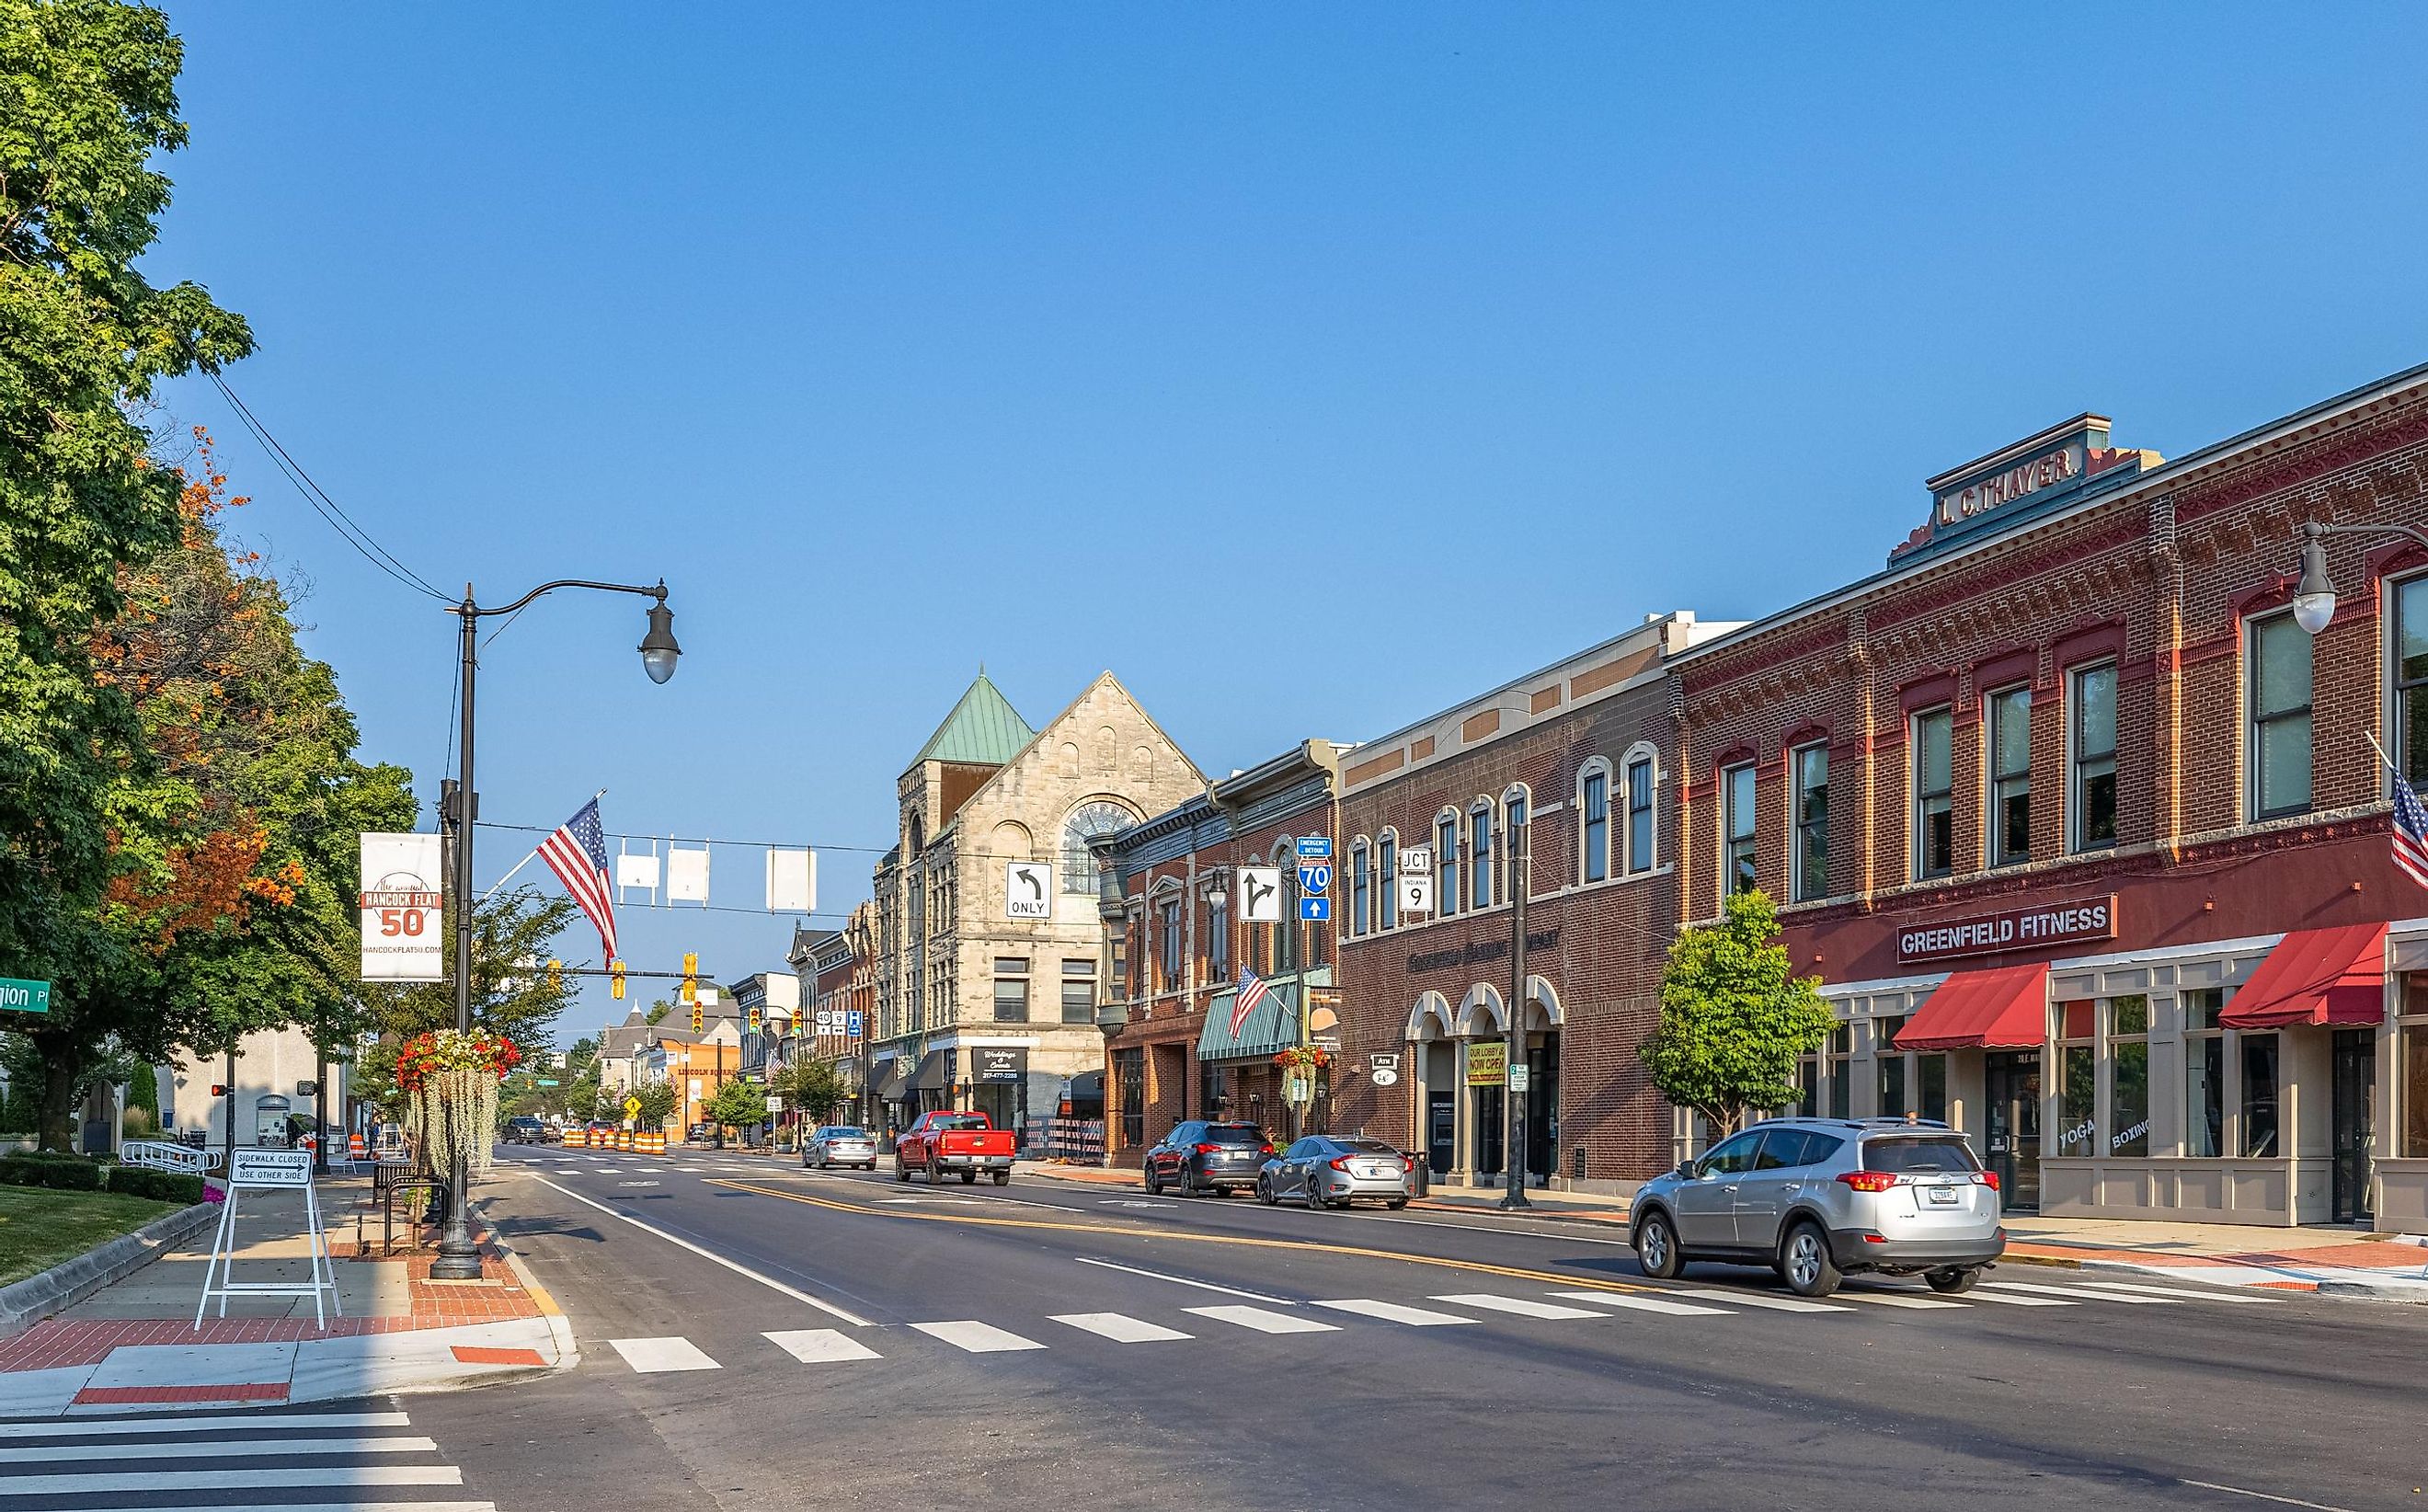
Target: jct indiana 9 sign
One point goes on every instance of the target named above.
(403, 927)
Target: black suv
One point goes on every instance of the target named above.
(1202, 1158)
(525, 1129)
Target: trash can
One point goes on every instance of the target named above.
(1420, 1174)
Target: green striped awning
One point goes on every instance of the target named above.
(1272, 1028)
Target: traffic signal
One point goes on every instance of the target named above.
(555, 976)
(616, 980)
(754, 1018)
(691, 978)
(217, 1091)
(698, 1017)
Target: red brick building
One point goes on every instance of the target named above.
(1179, 934)
(2084, 831)
(1572, 762)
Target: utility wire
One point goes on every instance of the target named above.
(327, 508)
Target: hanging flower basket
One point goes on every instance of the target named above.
(1304, 1059)
(449, 1081)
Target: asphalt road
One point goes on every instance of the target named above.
(1065, 1360)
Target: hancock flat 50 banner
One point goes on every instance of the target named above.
(404, 935)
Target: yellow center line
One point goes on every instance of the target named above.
(1118, 1231)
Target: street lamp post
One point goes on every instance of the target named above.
(2314, 595)
(459, 1258)
(1512, 1162)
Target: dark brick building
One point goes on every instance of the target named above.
(1574, 760)
(2085, 832)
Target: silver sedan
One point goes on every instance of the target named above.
(840, 1145)
(1327, 1170)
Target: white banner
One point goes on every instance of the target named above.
(687, 876)
(783, 991)
(404, 934)
(792, 881)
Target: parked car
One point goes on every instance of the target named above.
(1328, 1170)
(964, 1144)
(1202, 1157)
(1817, 1199)
(524, 1129)
(840, 1145)
(700, 1134)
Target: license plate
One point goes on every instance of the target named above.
(1376, 1170)
(1939, 1196)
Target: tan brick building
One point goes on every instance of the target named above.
(986, 979)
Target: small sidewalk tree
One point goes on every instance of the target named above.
(1735, 1018)
(737, 1105)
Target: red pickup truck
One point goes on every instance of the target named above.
(962, 1142)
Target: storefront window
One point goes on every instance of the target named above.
(2413, 1068)
(1808, 1081)
(2077, 1064)
(2128, 1059)
(1890, 1063)
(1932, 1071)
(1129, 1086)
(2258, 1096)
(2203, 1072)
(1842, 1047)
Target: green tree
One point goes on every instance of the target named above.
(815, 1087)
(657, 1098)
(88, 97)
(659, 1009)
(737, 1103)
(1734, 1017)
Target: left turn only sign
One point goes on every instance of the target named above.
(1028, 890)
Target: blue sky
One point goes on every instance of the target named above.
(1310, 368)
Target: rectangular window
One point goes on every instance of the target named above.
(1812, 822)
(1840, 1049)
(1078, 991)
(1518, 844)
(2078, 1070)
(2128, 1074)
(2258, 1096)
(2093, 800)
(1218, 944)
(1892, 1089)
(2011, 776)
(1737, 859)
(1479, 858)
(1445, 857)
(1361, 883)
(2411, 1071)
(2411, 678)
(2204, 1072)
(1387, 878)
(2280, 717)
(1639, 816)
(1011, 990)
(1167, 916)
(1932, 1071)
(1596, 825)
(1934, 784)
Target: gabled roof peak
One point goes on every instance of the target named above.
(983, 729)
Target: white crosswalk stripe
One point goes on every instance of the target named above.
(1520, 1307)
(1120, 1327)
(651, 1357)
(2075, 1294)
(1761, 1299)
(2016, 1299)
(2179, 1294)
(977, 1338)
(1264, 1321)
(1644, 1304)
(1898, 1299)
(1395, 1312)
(144, 1461)
(813, 1347)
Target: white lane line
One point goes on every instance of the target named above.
(2017, 1299)
(1119, 1327)
(182, 1482)
(608, 1171)
(2076, 1293)
(1614, 1299)
(2264, 1496)
(1761, 1299)
(335, 1506)
(816, 1346)
(1522, 1306)
(1896, 1299)
(1393, 1313)
(651, 1357)
(1485, 1228)
(84, 1428)
(1182, 1280)
(37, 1453)
(705, 1254)
(2179, 1294)
(977, 1338)
(1263, 1322)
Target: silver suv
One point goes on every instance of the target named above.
(1816, 1197)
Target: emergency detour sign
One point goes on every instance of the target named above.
(403, 931)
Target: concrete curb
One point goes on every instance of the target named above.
(2414, 1291)
(26, 1302)
(559, 1327)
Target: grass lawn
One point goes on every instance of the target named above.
(38, 1228)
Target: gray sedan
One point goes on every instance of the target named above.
(840, 1145)
(1327, 1170)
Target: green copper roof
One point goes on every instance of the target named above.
(983, 728)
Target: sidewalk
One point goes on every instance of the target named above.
(2336, 1261)
(134, 1343)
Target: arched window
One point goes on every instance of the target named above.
(1479, 854)
(1593, 820)
(1091, 820)
(1361, 887)
(1515, 807)
(1286, 933)
(1387, 905)
(1446, 862)
(1642, 835)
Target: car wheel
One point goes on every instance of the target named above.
(1804, 1262)
(1154, 1183)
(1265, 1192)
(1003, 1178)
(1656, 1247)
(901, 1172)
(1395, 1204)
(935, 1172)
(1954, 1279)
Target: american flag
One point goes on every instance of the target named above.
(2410, 831)
(577, 852)
(1252, 991)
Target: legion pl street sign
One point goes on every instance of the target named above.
(24, 996)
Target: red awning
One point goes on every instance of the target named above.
(2315, 977)
(2004, 1008)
